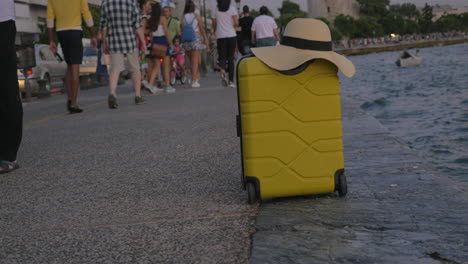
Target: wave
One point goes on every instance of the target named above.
(377, 103)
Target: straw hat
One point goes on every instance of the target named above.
(304, 39)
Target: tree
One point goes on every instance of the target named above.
(410, 27)
(345, 24)
(393, 23)
(366, 26)
(375, 8)
(406, 10)
(289, 11)
(425, 21)
(450, 22)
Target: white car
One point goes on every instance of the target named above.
(49, 67)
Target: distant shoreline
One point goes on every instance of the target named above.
(400, 46)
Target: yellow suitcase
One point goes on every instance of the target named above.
(290, 130)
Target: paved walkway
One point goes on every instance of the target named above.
(157, 183)
(160, 183)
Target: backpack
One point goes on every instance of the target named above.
(188, 34)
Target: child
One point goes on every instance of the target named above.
(178, 53)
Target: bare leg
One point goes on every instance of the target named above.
(113, 80)
(136, 78)
(155, 71)
(188, 62)
(149, 70)
(194, 64)
(68, 83)
(166, 69)
(74, 76)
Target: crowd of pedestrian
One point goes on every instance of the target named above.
(140, 36)
(396, 39)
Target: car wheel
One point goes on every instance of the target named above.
(48, 85)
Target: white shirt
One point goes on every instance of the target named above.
(7, 10)
(263, 26)
(225, 23)
(188, 18)
(159, 32)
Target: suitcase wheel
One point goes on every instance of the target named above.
(252, 193)
(342, 187)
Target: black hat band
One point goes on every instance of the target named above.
(307, 44)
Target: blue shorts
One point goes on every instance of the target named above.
(158, 40)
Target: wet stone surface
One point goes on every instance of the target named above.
(397, 209)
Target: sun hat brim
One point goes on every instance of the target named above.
(283, 58)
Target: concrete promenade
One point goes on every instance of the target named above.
(160, 183)
(399, 46)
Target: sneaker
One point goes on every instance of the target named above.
(170, 90)
(112, 101)
(224, 80)
(157, 90)
(232, 85)
(139, 100)
(147, 86)
(195, 84)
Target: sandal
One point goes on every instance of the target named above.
(8, 166)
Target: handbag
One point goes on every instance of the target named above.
(106, 59)
(159, 50)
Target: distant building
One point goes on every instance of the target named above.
(329, 9)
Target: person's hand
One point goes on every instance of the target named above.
(207, 44)
(143, 47)
(93, 42)
(105, 48)
(53, 47)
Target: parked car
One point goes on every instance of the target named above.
(49, 67)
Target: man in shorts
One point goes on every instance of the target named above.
(67, 16)
(120, 22)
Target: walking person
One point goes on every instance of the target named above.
(173, 24)
(225, 21)
(157, 24)
(245, 23)
(11, 109)
(67, 16)
(145, 62)
(194, 40)
(120, 23)
(264, 30)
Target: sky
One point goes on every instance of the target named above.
(273, 5)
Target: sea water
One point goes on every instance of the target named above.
(425, 106)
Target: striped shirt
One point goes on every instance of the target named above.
(121, 19)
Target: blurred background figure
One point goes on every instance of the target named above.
(157, 24)
(264, 30)
(194, 40)
(11, 110)
(67, 16)
(246, 31)
(225, 21)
